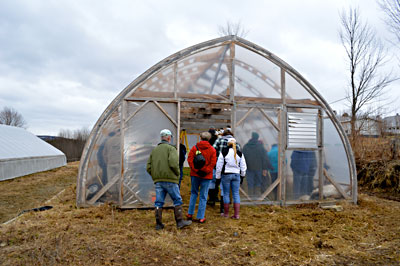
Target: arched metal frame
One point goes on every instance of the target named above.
(284, 104)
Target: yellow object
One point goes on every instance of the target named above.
(184, 140)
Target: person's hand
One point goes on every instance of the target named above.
(264, 172)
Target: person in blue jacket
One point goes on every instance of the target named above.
(273, 159)
(304, 166)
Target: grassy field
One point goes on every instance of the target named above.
(363, 234)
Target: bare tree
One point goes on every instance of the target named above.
(366, 57)
(232, 28)
(392, 20)
(71, 142)
(10, 117)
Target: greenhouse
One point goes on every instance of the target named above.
(225, 82)
(22, 153)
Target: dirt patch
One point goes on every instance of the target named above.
(363, 234)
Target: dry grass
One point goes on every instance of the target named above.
(368, 149)
(364, 234)
(32, 191)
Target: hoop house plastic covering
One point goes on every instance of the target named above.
(22, 153)
(222, 82)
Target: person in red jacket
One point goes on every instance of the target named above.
(202, 177)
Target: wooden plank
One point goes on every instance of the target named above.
(178, 127)
(270, 188)
(338, 187)
(245, 116)
(320, 155)
(123, 122)
(231, 70)
(245, 194)
(104, 189)
(220, 118)
(196, 125)
(166, 113)
(134, 113)
(269, 119)
(175, 80)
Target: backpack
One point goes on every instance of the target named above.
(198, 161)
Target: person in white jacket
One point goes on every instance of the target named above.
(231, 165)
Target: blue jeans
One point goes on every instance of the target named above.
(212, 183)
(302, 183)
(231, 181)
(203, 185)
(162, 188)
(254, 178)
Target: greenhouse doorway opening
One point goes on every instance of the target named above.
(257, 132)
(141, 124)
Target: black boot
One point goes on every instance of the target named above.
(221, 205)
(158, 213)
(211, 197)
(180, 223)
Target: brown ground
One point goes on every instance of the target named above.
(364, 234)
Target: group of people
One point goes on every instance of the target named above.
(224, 164)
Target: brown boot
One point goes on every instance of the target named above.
(236, 207)
(226, 210)
(158, 214)
(180, 223)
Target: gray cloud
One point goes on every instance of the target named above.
(63, 62)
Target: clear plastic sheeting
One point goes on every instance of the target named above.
(225, 82)
(22, 153)
(256, 76)
(257, 135)
(102, 180)
(302, 175)
(161, 82)
(141, 136)
(336, 162)
(294, 90)
(206, 72)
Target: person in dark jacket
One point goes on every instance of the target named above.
(304, 166)
(163, 166)
(257, 166)
(202, 177)
(182, 157)
(213, 189)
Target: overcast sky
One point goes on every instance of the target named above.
(63, 62)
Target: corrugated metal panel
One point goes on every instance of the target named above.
(302, 130)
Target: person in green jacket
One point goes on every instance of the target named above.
(163, 166)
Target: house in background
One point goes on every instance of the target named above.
(367, 126)
(392, 124)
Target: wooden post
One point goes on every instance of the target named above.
(282, 142)
(175, 80)
(122, 125)
(178, 126)
(232, 86)
(320, 154)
